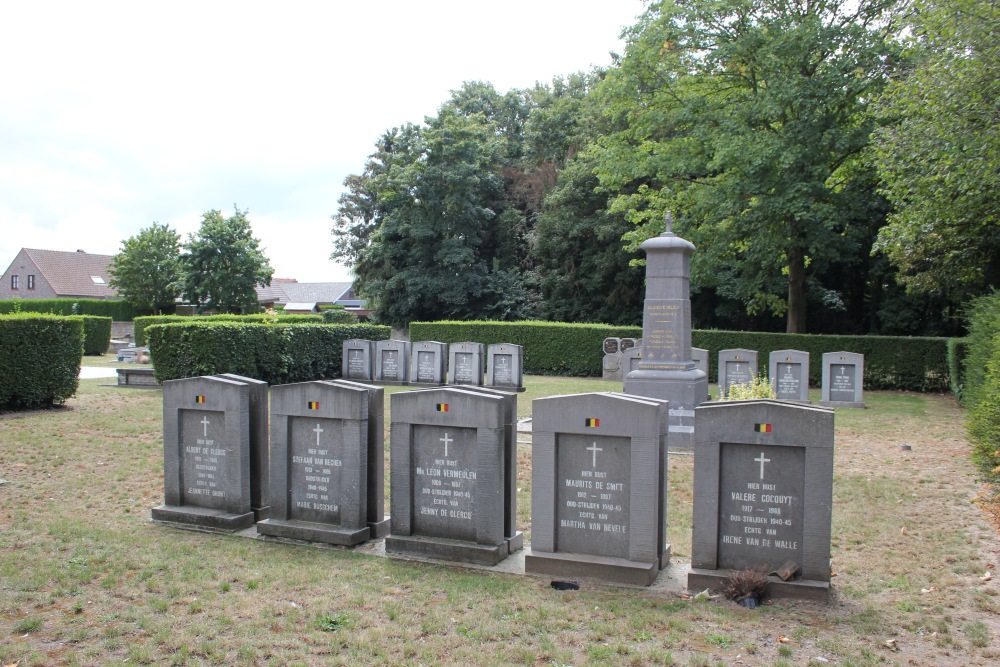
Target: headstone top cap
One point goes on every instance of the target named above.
(669, 220)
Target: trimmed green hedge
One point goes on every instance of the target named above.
(984, 419)
(275, 353)
(119, 311)
(141, 323)
(916, 364)
(39, 359)
(958, 350)
(984, 328)
(96, 334)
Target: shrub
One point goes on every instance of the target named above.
(275, 353)
(984, 419)
(141, 323)
(119, 311)
(958, 350)
(759, 387)
(337, 315)
(39, 359)
(984, 327)
(96, 334)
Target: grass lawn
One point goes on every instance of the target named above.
(87, 579)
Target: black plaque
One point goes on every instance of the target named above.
(444, 482)
(788, 384)
(738, 372)
(390, 365)
(842, 382)
(315, 463)
(760, 505)
(205, 461)
(464, 372)
(356, 365)
(592, 513)
(503, 369)
(426, 366)
(610, 346)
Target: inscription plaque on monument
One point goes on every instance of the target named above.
(504, 366)
(465, 361)
(598, 495)
(843, 380)
(736, 367)
(392, 362)
(358, 357)
(444, 482)
(789, 373)
(763, 494)
(428, 362)
(206, 454)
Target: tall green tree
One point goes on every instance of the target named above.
(223, 263)
(147, 270)
(939, 156)
(745, 117)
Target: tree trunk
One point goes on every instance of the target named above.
(796, 322)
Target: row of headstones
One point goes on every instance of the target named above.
(763, 477)
(430, 363)
(842, 381)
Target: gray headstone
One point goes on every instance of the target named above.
(465, 363)
(631, 359)
(259, 491)
(358, 360)
(448, 476)
(789, 373)
(763, 494)
(736, 367)
(392, 362)
(843, 380)
(206, 454)
(320, 457)
(428, 362)
(700, 357)
(505, 366)
(611, 365)
(598, 487)
(667, 370)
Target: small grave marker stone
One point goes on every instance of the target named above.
(611, 367)
(631, 359)
(699, 356)
(465, 363)
(598, 494)
(428, 362)
(392, 362)
(358, 360)
(448, 481)
(206, 454)
(763, 494)
(736, 367)
(789, 372)
(843, 380)
(505, 366)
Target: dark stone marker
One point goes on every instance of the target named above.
(611, 365)
(428, 362)
(843, 380)
(358, 360)
(448, 485)
(392, 362)
(763, 494)
(259, 491)
(465, 363)
(629, 343)
(598, 495)
(321, 454)
(736, 367)
(789, 374)
(206, 454)
(505, 366)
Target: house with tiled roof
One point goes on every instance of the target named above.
(283, 291)
(56, 274)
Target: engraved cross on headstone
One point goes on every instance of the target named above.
(317, 431)
(594, 448)
(762, 461)
(446, 440)
(205, 423)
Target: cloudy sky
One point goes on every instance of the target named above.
(115, 115)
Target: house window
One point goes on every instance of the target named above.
(13, 282)
(31, 281)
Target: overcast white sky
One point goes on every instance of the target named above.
(113, 115)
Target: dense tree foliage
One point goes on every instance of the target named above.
(223, 264)
(939, 154)
(147, 270)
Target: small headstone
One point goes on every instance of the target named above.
(598, 489)
(465, 363)
(611, 366)
(736, 367)
(448, 478)
(358, 360)
(259, 491)
(843, 380)
(505, 366)
(322, 458)
(392, 362)
(763, 495)
(789, 373)
(206, 454)
(631, 359)
(699, 356)
(428, 362)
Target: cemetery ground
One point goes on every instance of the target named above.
(86, 578)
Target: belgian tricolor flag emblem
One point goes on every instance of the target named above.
(593, 422)
(199, 399)
(441, 407)
(313, 405)
(762, 428)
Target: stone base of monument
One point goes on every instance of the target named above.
(516, 542)
(685, 390)
(202, 518)
(314, 532)
(393, 383)
(260, 513)
(432, 385)
(440, 548)
(617, 570)
(840, 404)
(379, 529)
(812, 591)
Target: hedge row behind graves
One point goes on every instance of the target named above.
(119, 311)
(96, 334)
(275, 353)
(891, 362)
(39, 359)
(981, 384)
(141, 323)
